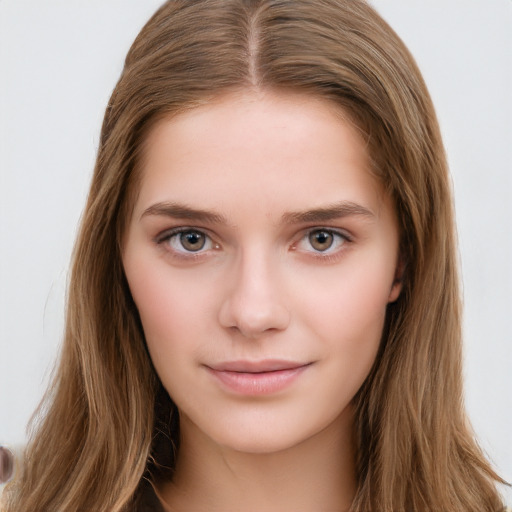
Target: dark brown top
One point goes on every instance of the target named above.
(147, 500)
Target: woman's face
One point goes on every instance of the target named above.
(261, 255)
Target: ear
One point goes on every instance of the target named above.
(398, 280)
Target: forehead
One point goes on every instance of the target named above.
(261, 150)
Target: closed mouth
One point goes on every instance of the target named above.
(257, 378)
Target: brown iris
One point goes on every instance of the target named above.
(192, 240)
(321, 240)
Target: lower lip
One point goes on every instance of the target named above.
(264, 383)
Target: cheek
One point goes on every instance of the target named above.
(156, 302)
(172, 309)
(348, 320)
(351, 304)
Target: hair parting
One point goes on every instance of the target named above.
(106, 425)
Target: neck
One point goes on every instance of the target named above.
(316, 475)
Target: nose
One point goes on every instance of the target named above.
(255, 302)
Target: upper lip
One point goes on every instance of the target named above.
(266, 365)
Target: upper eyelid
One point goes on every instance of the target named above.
(337, 231)
(347, 237)
(164, 236)
(168, 233)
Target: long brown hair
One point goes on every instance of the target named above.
(106, 423)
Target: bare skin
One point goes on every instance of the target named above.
(305, 478)
(262, 255)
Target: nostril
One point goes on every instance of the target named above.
(254, 304)
(254, 323)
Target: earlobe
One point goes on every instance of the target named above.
(395, 291)
(396, 287)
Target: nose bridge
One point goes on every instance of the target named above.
(255, 303)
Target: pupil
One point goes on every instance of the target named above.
(321, 240)
(192, 241)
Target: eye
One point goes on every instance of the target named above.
(322, 241)
(192, 240)
(186, 240)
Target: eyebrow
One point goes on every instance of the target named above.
(323, 214)
(327, 213)
(182, 211)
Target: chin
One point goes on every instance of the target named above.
(263, 433)
(264, 443)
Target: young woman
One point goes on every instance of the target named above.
(264, 310)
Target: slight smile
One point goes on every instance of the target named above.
(257, 377)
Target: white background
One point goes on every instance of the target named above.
(59, 60)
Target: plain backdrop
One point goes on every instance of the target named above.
(60, 59)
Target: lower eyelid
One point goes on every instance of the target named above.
(341, 236)
(166, 236)
(208, 244)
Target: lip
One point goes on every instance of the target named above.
(257, 377)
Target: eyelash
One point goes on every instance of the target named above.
(167, 236)
(328, 255)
